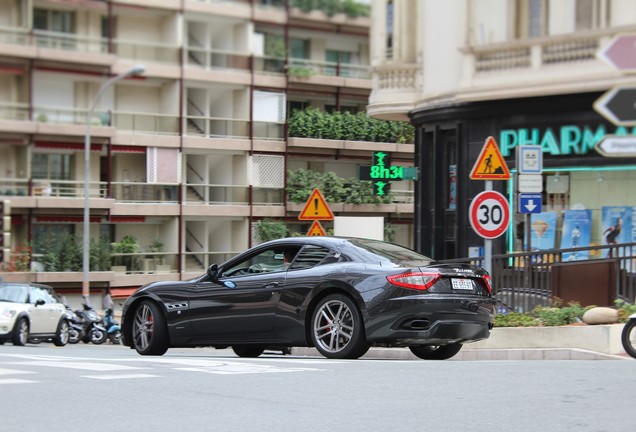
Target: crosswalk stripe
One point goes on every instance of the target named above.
(78, 365)
(14, 372)
(114, 377)
(16, 381)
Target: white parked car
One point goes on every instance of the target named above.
(29, 310)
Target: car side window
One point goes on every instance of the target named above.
(267, 261)
(38, 294)
(310, 256)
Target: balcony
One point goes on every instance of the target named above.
(544, 65)
(329, 73)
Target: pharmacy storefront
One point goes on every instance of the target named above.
(588, 198)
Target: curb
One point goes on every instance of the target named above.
(468, 354)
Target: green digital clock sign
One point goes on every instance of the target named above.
(381, 173)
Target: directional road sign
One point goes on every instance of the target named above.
(618, 105)
(489, 214)
(529, 203)
(620, 52)
(617, 146)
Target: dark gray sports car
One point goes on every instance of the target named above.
(340, 295)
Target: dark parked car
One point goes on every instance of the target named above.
(341, 295)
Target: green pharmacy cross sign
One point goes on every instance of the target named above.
(381, 173)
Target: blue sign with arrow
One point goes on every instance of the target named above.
(529, 203)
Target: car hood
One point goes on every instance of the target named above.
(11, 305)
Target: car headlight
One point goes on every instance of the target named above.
(8, 313)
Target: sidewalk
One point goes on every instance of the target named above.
(593, 342)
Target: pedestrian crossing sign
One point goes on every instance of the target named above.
(490, 164)
(316, 208)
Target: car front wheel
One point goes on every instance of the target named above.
(149, 331)
(61, 337)
(437, 352)
(337, 330)
(21, 334)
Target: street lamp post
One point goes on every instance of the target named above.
(135, 70)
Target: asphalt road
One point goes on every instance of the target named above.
(112, 388)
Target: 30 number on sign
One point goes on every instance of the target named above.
(489, 214)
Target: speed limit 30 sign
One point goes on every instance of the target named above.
(489, 214)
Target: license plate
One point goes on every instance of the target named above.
(463, 284)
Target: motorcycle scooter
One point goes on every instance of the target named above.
(113, 330)
(628, 336)
(92, 330)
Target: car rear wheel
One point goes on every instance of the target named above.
(149, 331)
(61, 337)
(337, 330)
(437, 352)
(21, 334)
(248, 351)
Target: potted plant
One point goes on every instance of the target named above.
(127, 245)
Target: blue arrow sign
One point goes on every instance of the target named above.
(529, 203)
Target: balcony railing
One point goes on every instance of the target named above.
(131, 192)
(537, 52)
(269, 64)
(15, 36)
(344, 70)
(146, 51)
(14, 111)
(50, 188)
(77, 116)
(217, 59)
(69, 42)
(216, 194)
(217, 127)
(146, 122)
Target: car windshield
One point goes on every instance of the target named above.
(391, 252)
(14, 293)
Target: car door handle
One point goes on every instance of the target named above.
(271, 285)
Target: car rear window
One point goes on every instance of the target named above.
(310, 256)
(391, 252)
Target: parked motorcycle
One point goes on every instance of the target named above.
(628, 337)
(113, 330)
(75, 326)
(92, 330)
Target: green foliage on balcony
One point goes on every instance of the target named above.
(269, 229)
(314, 123)
(301, 183)
(351, 8)
(63, 253)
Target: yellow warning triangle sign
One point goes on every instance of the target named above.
(316, 208)
(316, 230)
(490, 164)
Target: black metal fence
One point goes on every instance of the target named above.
(524, 280)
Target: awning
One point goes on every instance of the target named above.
(66, 219)
(128, 149)
(66, 146)
(122, 292)
(127, 219)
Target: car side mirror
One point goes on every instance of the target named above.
(213, 272)
(39, 302)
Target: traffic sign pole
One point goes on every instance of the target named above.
(488, 242)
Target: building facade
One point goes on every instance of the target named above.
(523, 72)
(186, 157)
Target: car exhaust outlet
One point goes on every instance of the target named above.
(420, 324)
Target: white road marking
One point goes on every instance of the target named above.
(14, 372)
(113, 377)
(78, 365)
(16, 381)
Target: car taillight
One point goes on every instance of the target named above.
(488, 281)
(414, 280)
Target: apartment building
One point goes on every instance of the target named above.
(522, 72)
(186, 156)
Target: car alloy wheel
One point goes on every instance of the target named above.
(61, 338)
(436, 352)
(337, 330)
(149, 331)
(21, 335)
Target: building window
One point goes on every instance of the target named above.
(51, 166)
(299, 48)
(53, 20)
(592, 14)
(389, 29)
(532, 18)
